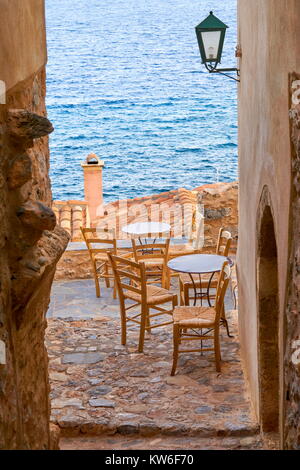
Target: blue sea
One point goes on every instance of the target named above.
(125, 81)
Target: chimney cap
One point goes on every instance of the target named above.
(92, 160)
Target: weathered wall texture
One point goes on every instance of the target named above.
(292, 347)
(220, 202)
(30, 243)
(74, 265)
(269, 37)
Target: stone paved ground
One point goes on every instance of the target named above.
(100, 388)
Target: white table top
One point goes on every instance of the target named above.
(146, 228)
(198, 264)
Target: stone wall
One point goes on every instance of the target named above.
(220, 202)
(74, 264)
(30, 242)
(292, 344)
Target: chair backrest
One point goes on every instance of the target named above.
(223, 282)
(224, 242)
(98, 241)
(159, 250)
(103, 233)
(129, 276)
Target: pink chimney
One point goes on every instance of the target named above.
(93, 193)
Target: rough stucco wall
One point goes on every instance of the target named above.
(30, 244)
(270, 43)
(22, 39)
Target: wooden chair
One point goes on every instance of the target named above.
(99, 243)
(185, 282)
(205, 319)
(155, 258)
(131, 281)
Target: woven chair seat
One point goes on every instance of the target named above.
(206, 318)
(153, 263)
(155, 295)
(194, 317)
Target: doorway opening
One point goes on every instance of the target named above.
(268, 327)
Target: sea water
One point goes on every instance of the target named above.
(125, 81)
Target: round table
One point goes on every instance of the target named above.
(146, 228)
(199, 264)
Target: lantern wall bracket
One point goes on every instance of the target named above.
(213, 69)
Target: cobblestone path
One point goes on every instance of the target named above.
(105, 395)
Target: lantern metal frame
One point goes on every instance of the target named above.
(213, 24)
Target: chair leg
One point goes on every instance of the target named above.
(144, 315)
(217, 349)
(148, 324)
(224, 320)
(163, 279)
(186, 294)
(123, 327)
(115, 290)
(181, 293)
(176, 338)
(106, 273)
(97, 283)
(167, 278)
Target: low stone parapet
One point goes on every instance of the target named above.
(75, 263)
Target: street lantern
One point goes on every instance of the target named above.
(211, 35)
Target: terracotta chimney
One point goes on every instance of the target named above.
(93, 194)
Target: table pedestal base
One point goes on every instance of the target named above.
(200, 294)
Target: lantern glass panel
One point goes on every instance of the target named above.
(211, 43)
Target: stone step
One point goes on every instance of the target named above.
(161, 442)
(74, 426)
